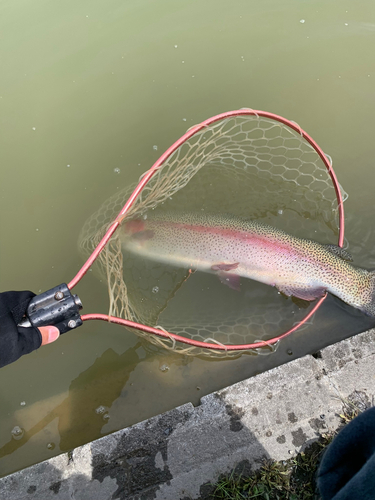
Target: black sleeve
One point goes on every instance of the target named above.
(16, 341)
(346, 471)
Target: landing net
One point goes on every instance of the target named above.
(247, 163)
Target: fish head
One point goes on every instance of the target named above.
(136, 232)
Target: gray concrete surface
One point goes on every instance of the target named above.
(172, 456)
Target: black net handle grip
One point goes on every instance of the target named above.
(57, 307)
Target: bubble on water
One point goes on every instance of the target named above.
(106, 416)
(184, 119)
(155, 289)
(17, 432)
(51, 446)
(36, 229)
(68, 166)
(34, 128)
(164, 368)
(175, 46)
(280, 212)
(22, 403)
(302, 21)
(116, 170)
(100, 410)
(183, 62)
(346, 24)
(155, 148)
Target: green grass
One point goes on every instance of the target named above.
(292, 479)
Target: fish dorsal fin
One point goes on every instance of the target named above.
(340, 252)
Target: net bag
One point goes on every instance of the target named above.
(246, 163)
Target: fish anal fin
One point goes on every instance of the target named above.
(340, 252)
(225, 267)
(303, 293)
(231, 280)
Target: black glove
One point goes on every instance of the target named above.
(16, 341)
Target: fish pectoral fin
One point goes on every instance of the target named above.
(302, 292)
(225, 267)
(340, 252)
(231, 280)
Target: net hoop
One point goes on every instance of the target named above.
(142, 183)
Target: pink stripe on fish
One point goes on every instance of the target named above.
(266, 241)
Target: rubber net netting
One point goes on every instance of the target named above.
(251, 167)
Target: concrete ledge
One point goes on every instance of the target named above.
(169, 457)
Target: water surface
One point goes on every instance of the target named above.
(90, 95)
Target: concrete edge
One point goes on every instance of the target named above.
(170, 456)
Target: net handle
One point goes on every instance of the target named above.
(193, 130)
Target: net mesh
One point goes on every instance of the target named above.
(249, 166)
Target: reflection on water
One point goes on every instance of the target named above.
(90, 393)
(96, 87)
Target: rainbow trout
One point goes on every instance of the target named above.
(232, 247)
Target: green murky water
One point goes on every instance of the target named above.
(86, 92)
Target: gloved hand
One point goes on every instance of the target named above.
(16, 341)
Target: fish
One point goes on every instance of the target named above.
(235, 248)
